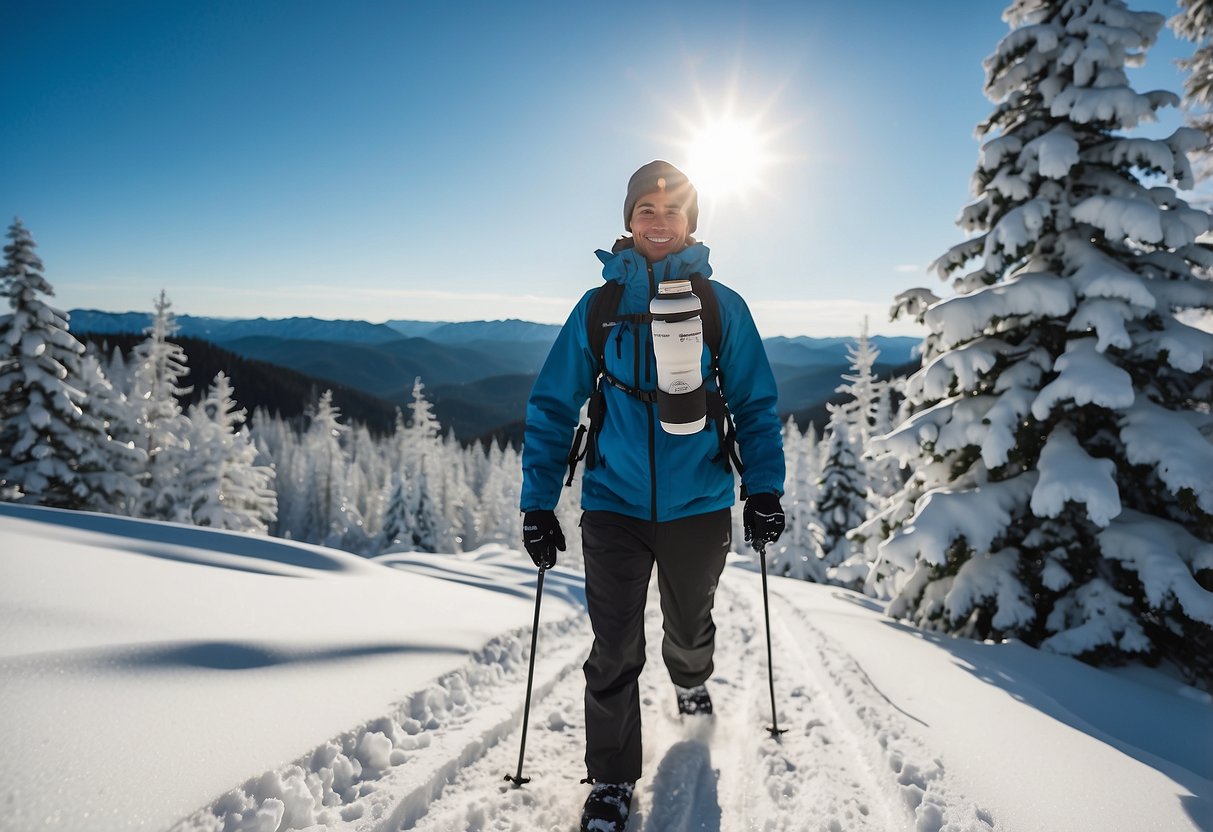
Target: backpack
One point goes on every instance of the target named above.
(603, 315)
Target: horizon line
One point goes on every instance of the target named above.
(388, 321)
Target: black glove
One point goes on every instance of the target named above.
(542, 536)
(763, 519)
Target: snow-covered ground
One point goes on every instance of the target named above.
(161, 677)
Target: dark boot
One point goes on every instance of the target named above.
(694, 701)
(607, 807)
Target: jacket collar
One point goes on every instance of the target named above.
(625, 262)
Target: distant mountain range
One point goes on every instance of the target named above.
(220, 330)
(478, 374)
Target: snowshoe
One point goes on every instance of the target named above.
(694, 701)
(607, 807)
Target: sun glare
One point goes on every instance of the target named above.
(727, 157)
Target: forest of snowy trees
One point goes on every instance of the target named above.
(108, 433)
(1044, 475)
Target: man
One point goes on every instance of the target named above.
(648, 497)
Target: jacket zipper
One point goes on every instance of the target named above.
(649, 406)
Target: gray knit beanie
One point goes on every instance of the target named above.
(661, 176)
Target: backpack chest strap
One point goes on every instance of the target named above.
(634, 392)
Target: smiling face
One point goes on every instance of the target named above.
(659, 225)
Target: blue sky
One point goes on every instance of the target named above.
(379, 160)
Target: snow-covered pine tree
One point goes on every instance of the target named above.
(885, 475)
(796, 554)
(331, 513)
(370, 468)
(477, 459)
(422, 435)
(867, 414)
(882, 474)
(458, 500)
(862, 385)
(1062, 466)
(478, 464)
(421, 452)
(221, 484)
(53, 443)
(123, 458)
(497, 503)
(431, 528)
(118, 373)
(399, 499)
(277, 447)
(393, 449)
(893, 491)
(396, 530)
(157, 366)
(842, 491)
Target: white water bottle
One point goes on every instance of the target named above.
(682, 401)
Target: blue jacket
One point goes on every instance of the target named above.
(643, 471)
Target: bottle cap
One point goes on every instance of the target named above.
(673, 287)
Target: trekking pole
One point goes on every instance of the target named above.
(518, 780)
(766, 611)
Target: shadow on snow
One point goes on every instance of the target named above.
(214, 655)
(1172, 735)
(684, 791)
(517, 580)
(171, 534)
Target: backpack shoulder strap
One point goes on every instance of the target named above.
(601, 317)
(603, 312)
(709, 314)
(718, 411)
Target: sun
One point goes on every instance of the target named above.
(727, 156)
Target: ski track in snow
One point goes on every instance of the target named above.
(898, 763)
(849, 762)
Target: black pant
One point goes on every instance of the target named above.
(619, 555)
